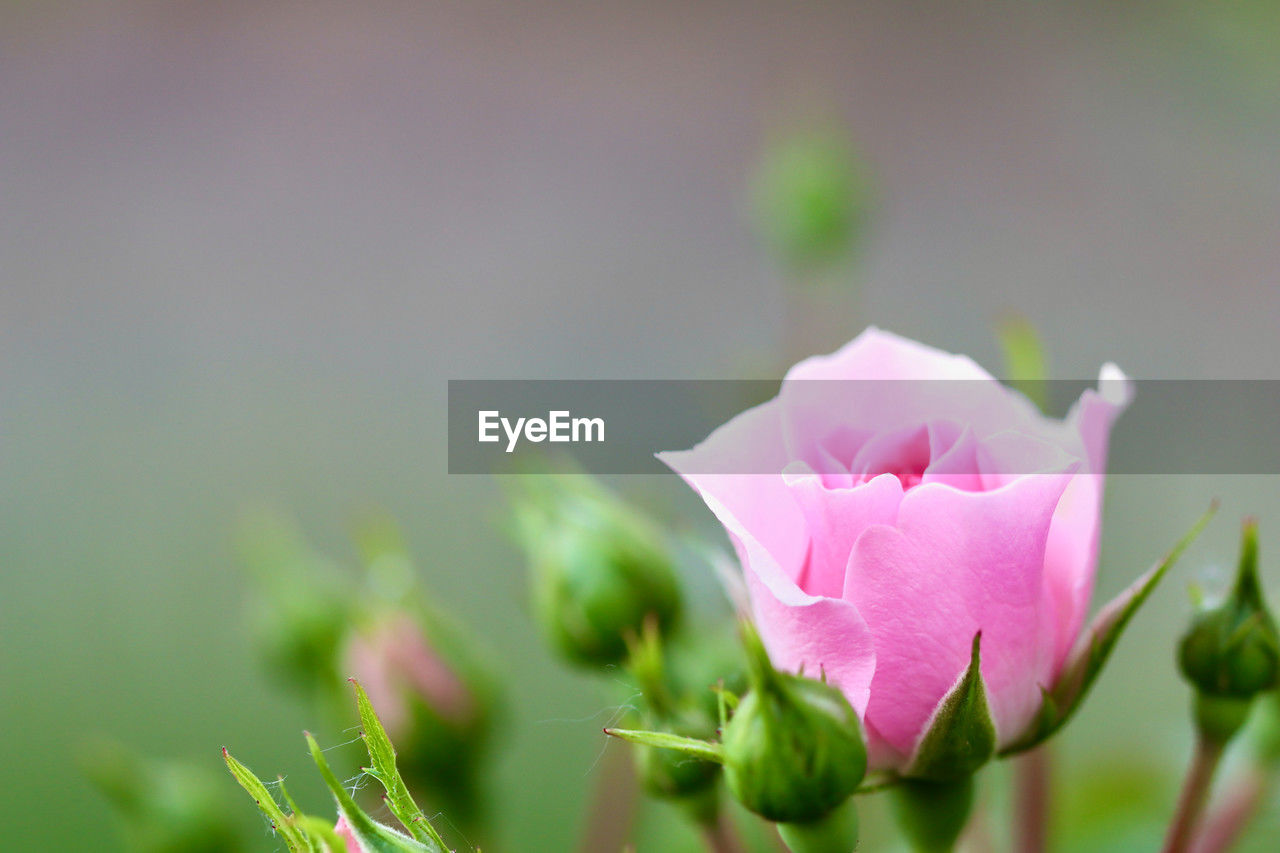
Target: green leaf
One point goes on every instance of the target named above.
(1024, 358)
(1098, 641)
(280, 822)
(664, 740)
(383, 755)
(373, 836)
(962, 736)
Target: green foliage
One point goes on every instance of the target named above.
(932, 814)
(307, 834)
(383, 755)
(1024, 359)
(302, 608)
(317, 625)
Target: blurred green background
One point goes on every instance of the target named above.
(243, 246)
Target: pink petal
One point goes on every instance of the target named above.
(1072, 554)
(821, 636)
(760, 502)
(877, 354)
(836, 518)
(957, 563)
(344, 831)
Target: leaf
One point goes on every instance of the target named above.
(280, 822)
(693, 747)
(961, 737)
(1098, 641)
(373, 836)
(1024, 358)
(383, 755)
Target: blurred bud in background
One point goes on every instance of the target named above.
(348, 837)
(164, 806)
(669, 707)
(317, 627)
(301, 608)
(812, 198)
(424, 675)
(812, 201)
(1231, 652)
(598, 569)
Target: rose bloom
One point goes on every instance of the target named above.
(882, 524)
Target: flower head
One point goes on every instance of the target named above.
(883, 524)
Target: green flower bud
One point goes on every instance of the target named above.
(1232, 650)
(812, 195)
(301, 606)
(793, 750)
(599, 569)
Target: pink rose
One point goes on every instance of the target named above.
(881, 525)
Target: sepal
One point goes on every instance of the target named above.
(961, 736)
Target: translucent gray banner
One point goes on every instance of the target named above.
(617, 426)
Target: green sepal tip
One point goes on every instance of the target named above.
(962, 737)
(691, 747)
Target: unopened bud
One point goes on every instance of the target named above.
(793, 750)
(599, 569)
(1232, 651)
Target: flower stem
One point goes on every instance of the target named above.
(1195, 791)
(1032, 780)
(1227, 818)
(613, 803)
(718, 835)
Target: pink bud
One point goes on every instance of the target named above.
(396, 667)
(343, 829)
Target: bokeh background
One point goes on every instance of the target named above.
(244, 245)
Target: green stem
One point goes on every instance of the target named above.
(718, 834)
(1031, 780)
(1195, 791)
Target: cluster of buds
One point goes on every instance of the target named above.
(792, 752)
